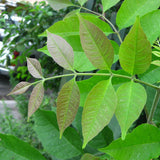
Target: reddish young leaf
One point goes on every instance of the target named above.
(36, 98)
(34, 67)
(96, 45)
(67, 105)
(61, 51)
(20, 88)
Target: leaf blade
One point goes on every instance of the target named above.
(136, 145)
(108, 4)
(67, 105)
(62, 56)
(129, 104)
(36, 98)
(34, 67)
(96, 45)
(98, 110)
(20, 88)
(135, 52)
(126, 15)
(82, 2)
(88, 156)
(59, 4)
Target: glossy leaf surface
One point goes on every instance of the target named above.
(88, 156)
(151, 24)
(98, 110)
(59, 4)
(142, 143)
(36, 98)
(20, 88)
(82, 2)
(61, 51)
(130, 9)
(157, 63)
(135, 52)
(67, 104)
(48, 133)
(96, 45)
(108, 4)
(131, 100)
(34, 67)
(13, 148)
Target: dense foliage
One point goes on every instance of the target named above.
(96, 118)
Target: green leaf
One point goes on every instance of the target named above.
(98, 110)
(88, 156)
(82, 2)
(156, 53)
(152, 75)
(34, 67)
(67, 105)
(45, 51)
(142, 143)
(151, 24)
(131, 100)
(36, 98)
(72, 13)
(59, 4)
(130, 9)
(61, 51)
(48, 133)
(20, 88)
(14, 148)
(157, 63)
(108, 4)
(96, 45)
(70, 25)
(135, 52)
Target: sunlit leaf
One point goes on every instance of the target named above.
(96, 45)
(151, 24)
(130, 9)
(142, 143)
(135, 52)
(72, 13)
(59, 4)
(88, 156)
(20, 88)
(108, 4)
(157, 63)
(61, 51)
(45, 50)
(36, 98)
(131, 100)
(67, 104)
(34, 67)
(82, 2)
(12, 148)
(98, 110)
(48, 133)
(156, 53)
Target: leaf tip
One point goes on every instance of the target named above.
(84, 145)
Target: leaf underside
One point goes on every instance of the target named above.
(67, 104)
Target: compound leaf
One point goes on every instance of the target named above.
(67, 104)
(36, 98)
(96, 45)
(131, 100)
(98, 110)
(108, 4)
(59, 4)
(48, 133)
(135, 52)
(61, 51)
(34, 67)
(142, 143)
(130, 9)
(13, 148)
(20, 88)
